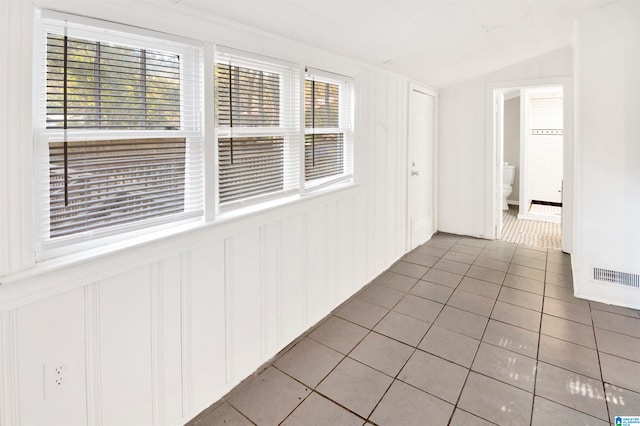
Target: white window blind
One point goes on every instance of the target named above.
(119, 145)
(101, 85)
(328, 128)
(257, 127)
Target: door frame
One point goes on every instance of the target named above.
(434, 178)
(493, 175)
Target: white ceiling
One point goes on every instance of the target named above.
(438, 42)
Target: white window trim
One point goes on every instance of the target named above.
(191, 53)
(213, 216)
(347, 94)
(290, 129)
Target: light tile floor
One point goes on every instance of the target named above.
(461, 331)
(530, 232)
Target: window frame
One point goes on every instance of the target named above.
(191, 128)
(289, 128)
(346, 127)
(204, 133)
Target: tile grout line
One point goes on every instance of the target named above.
(535, 376)
(476, 355)
(414, 350)
(595, 339)
(355, 360)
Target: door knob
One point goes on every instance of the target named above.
(414, 173)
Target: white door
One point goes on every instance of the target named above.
(420, 167)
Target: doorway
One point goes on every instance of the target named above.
(541, 154)
(532, 135)
(420, 155)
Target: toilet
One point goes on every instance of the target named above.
(508, 175)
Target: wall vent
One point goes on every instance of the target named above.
(616, 277)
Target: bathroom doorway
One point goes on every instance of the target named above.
(541, 154)
(533, 163)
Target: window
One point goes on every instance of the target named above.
(119, 134)
(328, 128)
(257, 126)
(119, 143)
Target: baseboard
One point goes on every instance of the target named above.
(513, 202)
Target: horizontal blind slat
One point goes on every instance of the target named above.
(324, 155)
(97, 71)
(143, 178)
(247, 96)
(250, 166)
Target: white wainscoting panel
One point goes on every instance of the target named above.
(292, 310)
(125, 348)
(344, 252)
(317, 278)
(244, 304)
(205, 302)
(271, 272)
(92, 354)
(166, 298)
(52, 331)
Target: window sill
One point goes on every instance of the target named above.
(54, 276)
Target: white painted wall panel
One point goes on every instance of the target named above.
(292, 312)
(52, 331)
(379, 179)
(363, 272)
(5, 58)
(16, 32)
(204, 326)
(167, 350)
(512, 141)
(125, 348)
(244, 304)
(344, 253)
(271, 271)
(457, 211)
(317, 278)
(608, 88)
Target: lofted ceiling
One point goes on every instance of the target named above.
(438, 42)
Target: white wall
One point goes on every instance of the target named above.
(608, 150)
(512, 141)
(544, 152)
(157, 332)
(465, 183)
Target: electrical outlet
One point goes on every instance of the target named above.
(57, 377)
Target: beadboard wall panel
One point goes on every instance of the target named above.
(48, 333)
(125, 324)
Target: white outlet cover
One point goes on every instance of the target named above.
(58, 377)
